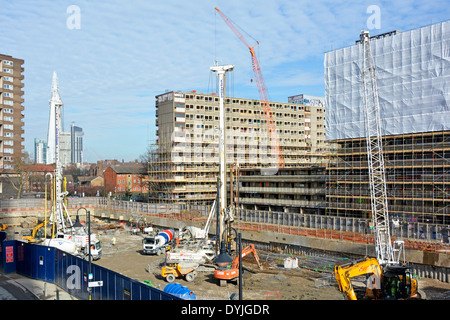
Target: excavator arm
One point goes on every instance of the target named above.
(250, 249)
(32, 238)
(344, 273)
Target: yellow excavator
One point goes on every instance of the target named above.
(36, 234)
(390, 283)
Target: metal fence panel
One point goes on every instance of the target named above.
(70, 273)
(9, 256)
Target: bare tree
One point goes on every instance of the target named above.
(18, 179)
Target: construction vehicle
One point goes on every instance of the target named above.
(188, 270)
(391, 278)
(77, 245)
(192, 254)
(158, 244)
(36, 233)
(231, 271)
(194, 245)
(192, 233)
(3, 227)
(388, 283)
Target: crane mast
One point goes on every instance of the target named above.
(221, 70)
(262, 91)
(61, 217)
(385, 251)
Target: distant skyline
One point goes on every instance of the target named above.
(112, 59)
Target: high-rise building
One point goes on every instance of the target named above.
(76, 134)
(413, 76)
(65, 148)
(184, 164)
(11, 116)
(40, 151)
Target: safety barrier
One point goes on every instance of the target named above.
(71, 273)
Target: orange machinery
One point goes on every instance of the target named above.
(231, 271)
(275, 144)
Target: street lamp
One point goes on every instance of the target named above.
(88, 213)
(223, 259)
(89, 253)
(45, 219)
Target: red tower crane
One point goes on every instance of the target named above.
(262, 91)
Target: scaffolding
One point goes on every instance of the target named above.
(417, 177)
(185, 157)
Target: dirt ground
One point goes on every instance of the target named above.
(272, 283)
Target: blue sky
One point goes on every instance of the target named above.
(125, 53)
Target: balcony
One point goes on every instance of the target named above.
(179, 139)
(284, 190)
(282, 202)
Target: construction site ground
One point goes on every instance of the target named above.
(312, 280)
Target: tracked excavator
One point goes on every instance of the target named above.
(231, 272)
(393, 282)
(36, 233)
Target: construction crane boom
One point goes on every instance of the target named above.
(377, 177)
(262, 90)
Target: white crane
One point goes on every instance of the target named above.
(387, 253)
(61, 217)
(221, 70)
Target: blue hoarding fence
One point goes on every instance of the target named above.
(70, 273)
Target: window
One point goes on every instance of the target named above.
(8, 86)
(8, 94)
(8, 119)
(8, 150)
(6, 78)
(8, 102)
(7, 110)
(8, 126)
(8, 143)
(8, 63)
(7, 70)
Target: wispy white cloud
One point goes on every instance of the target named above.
(126, 53)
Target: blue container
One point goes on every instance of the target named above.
(180, 291)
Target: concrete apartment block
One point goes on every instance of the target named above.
(184, 161)
(11, 120)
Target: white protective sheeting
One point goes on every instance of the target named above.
(413, 75)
